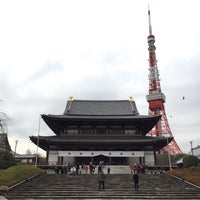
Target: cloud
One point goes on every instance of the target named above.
(97, 50)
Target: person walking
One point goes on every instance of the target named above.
(86, 169)
(136, 180)
(101, 180)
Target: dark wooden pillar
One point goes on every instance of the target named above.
(92, 160)
(74, 160)
(47, 157)
(155, 160)
(110, 161)
(140, 160)
(59, 160)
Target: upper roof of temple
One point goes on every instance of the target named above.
(100, 113)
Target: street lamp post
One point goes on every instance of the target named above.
(16, 141)
(191, 146)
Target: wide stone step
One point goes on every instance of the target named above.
(117, 186)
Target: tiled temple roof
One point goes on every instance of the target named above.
(101, 107)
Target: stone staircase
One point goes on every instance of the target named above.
(117, 186)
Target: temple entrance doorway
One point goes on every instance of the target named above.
(95, 160)
(110, 160)
(105, 159)
(99, 158)
(118, 161)
(83, 160)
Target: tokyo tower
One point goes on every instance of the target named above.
(156, 98)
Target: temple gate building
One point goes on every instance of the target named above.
(112, 131)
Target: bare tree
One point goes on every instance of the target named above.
(4, 120)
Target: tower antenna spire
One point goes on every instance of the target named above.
(149, 15)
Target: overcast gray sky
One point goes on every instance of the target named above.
(97, 49)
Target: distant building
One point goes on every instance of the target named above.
(25, 159)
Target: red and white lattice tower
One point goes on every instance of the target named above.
(156, 98)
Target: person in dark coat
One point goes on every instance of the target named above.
(136, 180)
(101, 179)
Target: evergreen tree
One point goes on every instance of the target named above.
(6, 159)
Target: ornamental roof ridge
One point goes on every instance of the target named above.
(99, 100)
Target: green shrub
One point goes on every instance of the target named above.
(6, 159)
(189, 161)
